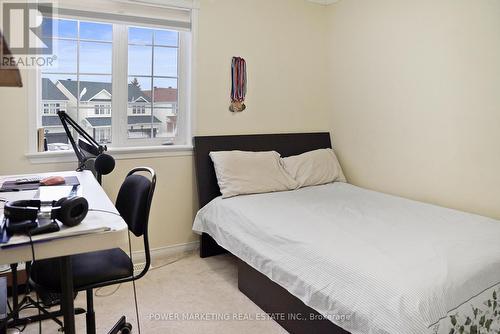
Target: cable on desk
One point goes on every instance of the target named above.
(105, 211)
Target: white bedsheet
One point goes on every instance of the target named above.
(393, 265)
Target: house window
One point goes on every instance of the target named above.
(51, 108)
(102, 135)
(92, 77)
(138, 109)
(102, 109)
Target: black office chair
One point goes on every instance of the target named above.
(108, 267)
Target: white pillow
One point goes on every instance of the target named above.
(314, 168)
(240, 172)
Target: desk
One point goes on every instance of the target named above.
(60, 245)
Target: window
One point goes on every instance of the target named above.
(125, 83)
(102, 109)
(82, 75)
(138, 109)
(153, 73)
(51, 108)
(102, 135)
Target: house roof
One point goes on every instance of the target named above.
(89, 89)
(142, 119)
(51, 120)
(99, 121)
(132, 120)
(50, 92)
(163, 94)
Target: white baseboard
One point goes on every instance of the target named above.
(162, 253)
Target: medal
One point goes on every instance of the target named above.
(238, 84)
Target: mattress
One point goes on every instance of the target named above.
(367, 261)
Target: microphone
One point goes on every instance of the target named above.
(104, 164)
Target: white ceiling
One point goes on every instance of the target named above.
(324, 2)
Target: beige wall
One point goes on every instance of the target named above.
(409, 90)
(415, 98)
(283, 43)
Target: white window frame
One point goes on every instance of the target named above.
(123, 147)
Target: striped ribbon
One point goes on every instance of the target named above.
(239, 79)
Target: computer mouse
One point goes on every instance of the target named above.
(53, 181)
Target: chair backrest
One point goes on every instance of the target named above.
(134, 200)
(133, 203)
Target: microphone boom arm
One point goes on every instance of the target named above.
(82, 158)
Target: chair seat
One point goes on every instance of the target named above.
(88, 268)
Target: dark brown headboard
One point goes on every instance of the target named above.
(286, 144)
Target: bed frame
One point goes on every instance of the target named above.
(286, 309)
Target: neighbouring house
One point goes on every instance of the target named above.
(53, 100)
(165, 107)
(93, 110)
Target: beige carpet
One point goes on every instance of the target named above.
(189, 289)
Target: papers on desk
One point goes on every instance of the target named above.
(54, 193)
(45, 194)
(84, 228)
(102, 221)
(12, 185)
(65, 232)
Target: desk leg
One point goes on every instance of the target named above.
(3, 305)
(67, 305)
(15, 296)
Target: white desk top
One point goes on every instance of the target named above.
(98, 231)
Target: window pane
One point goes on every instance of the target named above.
(60, 28)
(142, 125)
(96, 31)
(140, 36)
(143, 83)
(95, 89)
(168, 118)
(165, 83)
(54, 100)
(139, 108)
(166, 106)
(85, 97)
(165, 91)
(139, 60)
(65, 62)
(95, 57)
(56, 77)
(165, 62)
(48, 27)
(99, 78)
(95, 106)
(166, 38)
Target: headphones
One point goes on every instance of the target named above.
(68, 210)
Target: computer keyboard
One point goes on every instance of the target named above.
(25, 180)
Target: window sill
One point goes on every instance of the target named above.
(119, 153)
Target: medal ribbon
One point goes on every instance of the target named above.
(239, 79)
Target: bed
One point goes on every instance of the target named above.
(337, 258)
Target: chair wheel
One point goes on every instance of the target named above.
(127, 329)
